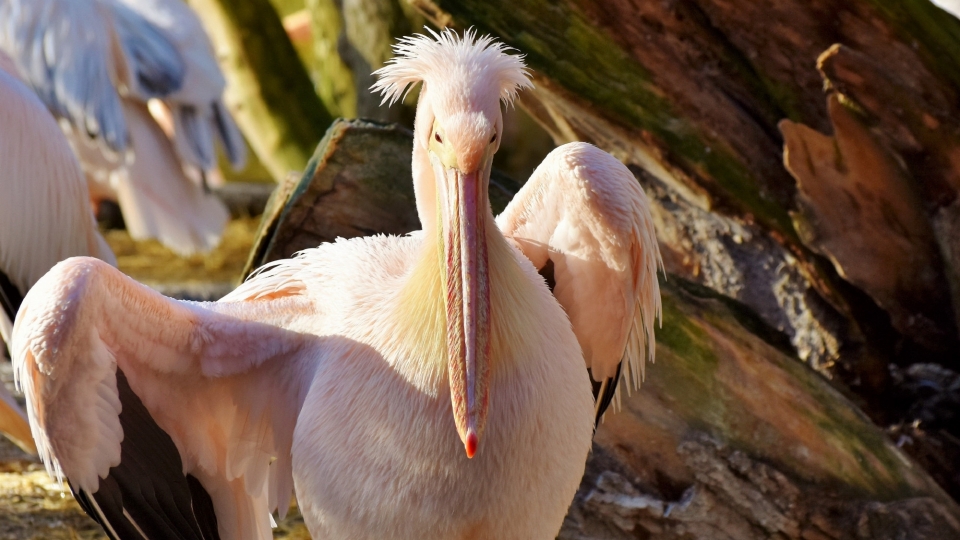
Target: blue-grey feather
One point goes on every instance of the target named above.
(62, 49)
(229, 135)
(158, 68)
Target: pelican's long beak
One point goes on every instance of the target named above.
(463, 212)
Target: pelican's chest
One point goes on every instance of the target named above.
(382, 458)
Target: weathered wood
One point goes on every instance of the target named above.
(343, 193)
(268, 89)
(729, 437)
(858, 208)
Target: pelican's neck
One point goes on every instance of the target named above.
(421, 312)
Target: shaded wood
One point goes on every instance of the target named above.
(342, 193)
(730, 437)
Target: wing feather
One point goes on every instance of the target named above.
(226, 389)
(197, 106)
(73, 53)
(156, 197)
(584, 212)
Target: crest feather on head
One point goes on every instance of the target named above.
(446, 56)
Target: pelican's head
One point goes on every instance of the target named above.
(458, 129)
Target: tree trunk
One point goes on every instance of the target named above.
(848, 248)
(729, 438)
(332, 76)
(268, 89)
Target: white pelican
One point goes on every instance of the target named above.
(336, 372)
(98, 65)
(44, 214)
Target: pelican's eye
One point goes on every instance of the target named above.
(494, 138)
(436, 135)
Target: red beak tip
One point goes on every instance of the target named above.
(470, 444)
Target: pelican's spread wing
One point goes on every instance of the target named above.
(583, 218)
(157, 410)
(73, 53)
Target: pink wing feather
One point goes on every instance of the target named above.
(583, 211)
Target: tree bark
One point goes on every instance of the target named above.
(268, 89)
(729, 437)
(332, 76)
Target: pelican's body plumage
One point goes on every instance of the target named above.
(408, 434)
(336, 372)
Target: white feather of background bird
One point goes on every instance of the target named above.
(950, 6)
(96, 64)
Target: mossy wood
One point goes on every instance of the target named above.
(729, 437)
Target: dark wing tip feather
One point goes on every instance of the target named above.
(147, 495)
(10, 296)
(603, 393)
(158, 69)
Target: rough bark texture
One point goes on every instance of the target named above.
(691, 94)
(342, 193)
(268, 89)
(730, 437)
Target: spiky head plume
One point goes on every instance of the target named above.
(446, 61)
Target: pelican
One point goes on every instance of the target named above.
(138, 89)
(44, 214)
(426, 386)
